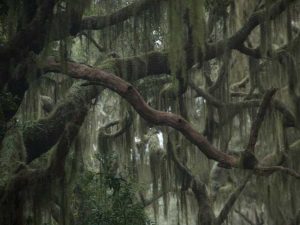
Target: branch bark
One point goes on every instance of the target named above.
(121, 15)
(259, 119)
(128, 92)
(235, 41)
(42, 134)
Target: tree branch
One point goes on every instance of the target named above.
(206, 215)
(42, 134)
(235, 41)
(125, 124)
(272, 169)
(128, 92)
(134, 9)
(231, 200)
(290, 120)
(208, 97)
(259, 119)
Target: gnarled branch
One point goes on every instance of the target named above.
(128, 92)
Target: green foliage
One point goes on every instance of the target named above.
(107, 199)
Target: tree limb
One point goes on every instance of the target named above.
(231, 200)
(241, 35)
(272, 169)
(128, 92)
(206, 215)
(121, 15)
(259, 119)
(42, 134)
(290, 120)
(125, 124)
(95, 43)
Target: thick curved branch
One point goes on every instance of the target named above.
(212, 49)
(134, 9)
(241, 35)
(128, 92)
(42, 134)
